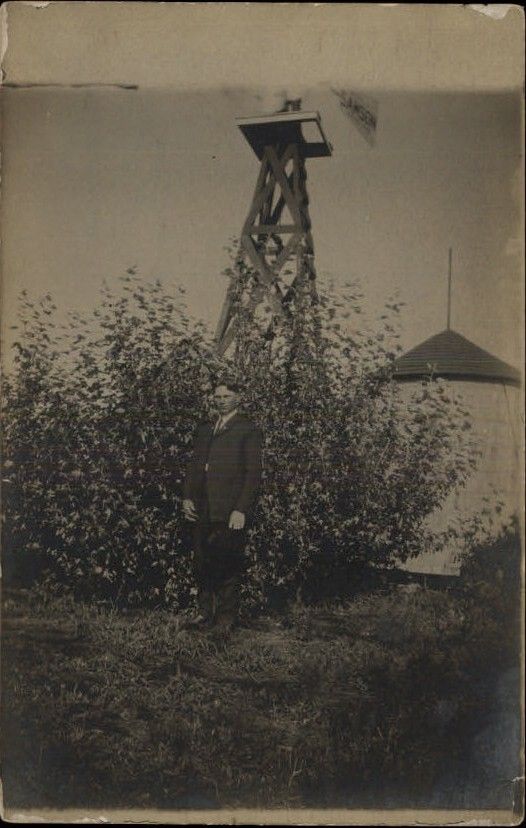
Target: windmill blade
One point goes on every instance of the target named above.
(362, 111)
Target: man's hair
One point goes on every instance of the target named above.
(232, 385)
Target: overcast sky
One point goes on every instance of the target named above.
(96, 180)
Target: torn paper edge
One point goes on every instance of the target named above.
(3, 38)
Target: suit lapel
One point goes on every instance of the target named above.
(207, 440)
(230, 424)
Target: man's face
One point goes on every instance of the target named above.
(225, 400)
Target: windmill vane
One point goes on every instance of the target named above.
(366, 117)
(361, 111)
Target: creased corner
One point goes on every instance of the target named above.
(497, 11)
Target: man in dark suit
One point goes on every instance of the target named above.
(220, 489)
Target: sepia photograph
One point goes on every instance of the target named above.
(262, 329)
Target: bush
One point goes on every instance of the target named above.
(491, 578)
(351, 471)
(98, 428)
(99, 420)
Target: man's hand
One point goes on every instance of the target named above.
(189, 510)
(237, 520)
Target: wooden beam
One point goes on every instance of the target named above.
(269, 229)
(229, 336)
(262, 189)
(287, 251)
(257, 261)
(281, 179)
(259, 201)
(280, 203)
(224, 319)
(266, 207)
(263, 171)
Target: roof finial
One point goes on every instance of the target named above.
(449, 292)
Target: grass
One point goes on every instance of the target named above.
(346, 704)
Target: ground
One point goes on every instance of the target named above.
(383, 700)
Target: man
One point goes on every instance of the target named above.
(220, 490)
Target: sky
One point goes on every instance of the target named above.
(97, 180)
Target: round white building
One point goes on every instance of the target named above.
(490, 389)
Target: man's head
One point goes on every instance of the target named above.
(227, 396)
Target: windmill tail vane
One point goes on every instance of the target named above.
(361, 110)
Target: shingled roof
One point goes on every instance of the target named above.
(449, 354)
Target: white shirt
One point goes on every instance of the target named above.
(222, 421)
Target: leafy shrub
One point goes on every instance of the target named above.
(98, 427)
(491, 578)
(99, 420)
(351, 470)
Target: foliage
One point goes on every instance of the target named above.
(354, 465)
(99, 419)
(491, 578)
(98, 426)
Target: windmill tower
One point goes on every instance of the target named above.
(276, 240)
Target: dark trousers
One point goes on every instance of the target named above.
(219, 566)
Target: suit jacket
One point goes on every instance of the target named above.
(224, 473)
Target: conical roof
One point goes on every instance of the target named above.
(449, 354)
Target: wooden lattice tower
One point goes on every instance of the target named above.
(276, 240)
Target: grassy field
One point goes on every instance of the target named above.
(374, 702)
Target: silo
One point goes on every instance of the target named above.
(490, 388)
